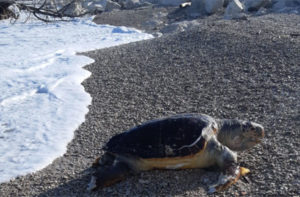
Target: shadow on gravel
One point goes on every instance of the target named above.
(75, 187)
(164, 182)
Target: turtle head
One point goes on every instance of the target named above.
(240, 135)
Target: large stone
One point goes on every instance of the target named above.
(15, 10)
(94, 6)
(226, 2)
(75, 9)
(212, 6)
(198, 4)
(255, 5)
(111, 5)
(234, 10)
(172, 2)
(292, 3)
(130, 4)
(152, 1)
(203, 7)
(282, 4)
(197, 8)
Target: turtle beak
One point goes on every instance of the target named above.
(261, 132)
(257, 133)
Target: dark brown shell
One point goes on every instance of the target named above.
(175, 136)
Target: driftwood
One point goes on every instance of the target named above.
(41, 10)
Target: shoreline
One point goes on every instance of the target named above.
(47, 101)
(233, 69)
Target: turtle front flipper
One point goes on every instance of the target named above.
(108, 170)
(231, 176)
(226, 159)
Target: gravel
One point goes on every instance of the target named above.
(246, 69)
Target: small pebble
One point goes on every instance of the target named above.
(143, 181)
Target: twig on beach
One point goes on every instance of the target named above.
(44, 10)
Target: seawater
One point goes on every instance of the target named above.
(42, 100)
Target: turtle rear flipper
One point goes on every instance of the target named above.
(106, 176)
(228, 179)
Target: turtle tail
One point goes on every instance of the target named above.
(108, 173)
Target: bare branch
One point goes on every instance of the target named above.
(42, 11)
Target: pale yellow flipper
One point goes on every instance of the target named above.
(225, 181)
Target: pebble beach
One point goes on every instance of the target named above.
(246, 69)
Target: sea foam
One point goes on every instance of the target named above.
(42, 100)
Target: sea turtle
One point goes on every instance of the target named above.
(178, 142)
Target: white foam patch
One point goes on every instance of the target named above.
(42, 100)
